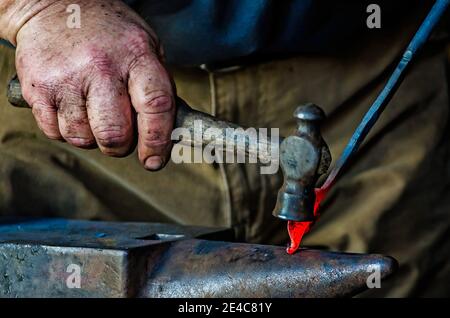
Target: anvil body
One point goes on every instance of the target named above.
(66, 258)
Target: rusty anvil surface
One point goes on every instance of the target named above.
(160, 260)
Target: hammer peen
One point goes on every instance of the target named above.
(303, 156)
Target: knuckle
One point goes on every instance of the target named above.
(45, 116)
(70, 103)
(36, 92)
(43, 110)
(155, 140)
(100, 62)
(157, 102)
(112, 137)
(139, 43)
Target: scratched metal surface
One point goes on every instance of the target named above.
(35, 255)
(197, 268)
(108, 235)
(154, 260)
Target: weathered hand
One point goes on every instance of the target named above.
(86, 85)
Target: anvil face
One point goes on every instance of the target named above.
(62, 258)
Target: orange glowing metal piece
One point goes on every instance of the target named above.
(296, 230)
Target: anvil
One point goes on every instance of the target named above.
(68, 258)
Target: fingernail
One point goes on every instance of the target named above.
(153, 163)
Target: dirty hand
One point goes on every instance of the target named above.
(91, 85)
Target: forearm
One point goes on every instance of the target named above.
(15, 13)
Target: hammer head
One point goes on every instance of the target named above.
(304, 156)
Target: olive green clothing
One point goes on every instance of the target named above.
(394, 198)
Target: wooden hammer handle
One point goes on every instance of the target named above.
(197, 127)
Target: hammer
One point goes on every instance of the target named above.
(303, 156)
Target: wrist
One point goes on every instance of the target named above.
(16, 13)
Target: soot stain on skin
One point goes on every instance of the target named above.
(74, 122)
(153, 135)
